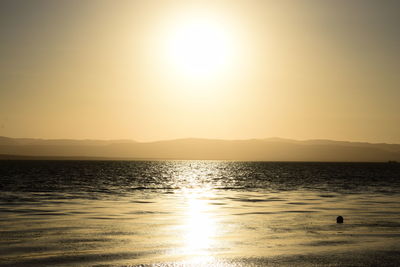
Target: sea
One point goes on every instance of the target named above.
(198, 213)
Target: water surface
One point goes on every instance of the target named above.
(169, 213)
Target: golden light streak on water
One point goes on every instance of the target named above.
(199, 226)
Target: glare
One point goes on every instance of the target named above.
(199, 226)
(199, 47)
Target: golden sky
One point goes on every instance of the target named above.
(151, 70)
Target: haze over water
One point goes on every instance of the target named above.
(118, 213)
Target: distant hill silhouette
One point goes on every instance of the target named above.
(271, 149)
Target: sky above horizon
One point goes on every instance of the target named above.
(152, 70)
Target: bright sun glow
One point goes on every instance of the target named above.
(199, 47)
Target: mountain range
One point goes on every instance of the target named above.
(270, 149)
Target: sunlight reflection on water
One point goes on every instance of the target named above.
(199, 225)
(200, 213)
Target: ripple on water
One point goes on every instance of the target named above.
(106, 213)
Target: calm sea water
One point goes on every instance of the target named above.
(176, 213)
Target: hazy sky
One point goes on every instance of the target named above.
(149, 70)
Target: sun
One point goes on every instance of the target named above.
(199, 47)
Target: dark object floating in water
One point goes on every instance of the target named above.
(339, 219)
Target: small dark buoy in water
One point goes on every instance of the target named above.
(339, 219)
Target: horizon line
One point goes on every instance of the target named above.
(200, 138)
